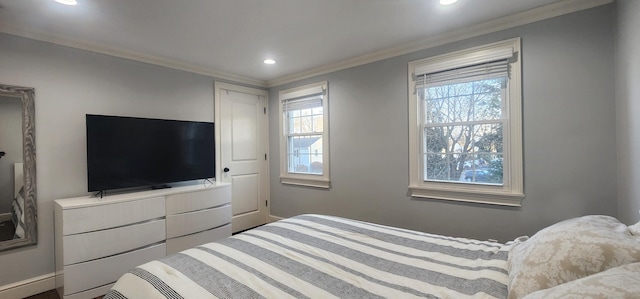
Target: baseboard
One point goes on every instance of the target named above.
(28, 287)
(274, 218)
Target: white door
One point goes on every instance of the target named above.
(241, 124)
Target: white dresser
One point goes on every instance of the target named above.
(98, 240)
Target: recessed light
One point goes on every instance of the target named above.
(269, 61)
(67, 2)
(448, 2)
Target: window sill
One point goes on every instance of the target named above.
(307, 182)
(493, 196)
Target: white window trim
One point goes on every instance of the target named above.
(512, 190)
(309, 180)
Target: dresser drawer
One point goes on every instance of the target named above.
(178, 244)
(198, 200)
(110, 215)
(193, 222)
(88, 275)
(94, 245)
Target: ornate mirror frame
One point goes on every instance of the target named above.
(27, 95)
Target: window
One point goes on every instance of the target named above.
(304, 127)
(465, 125)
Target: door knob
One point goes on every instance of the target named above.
(226, 169)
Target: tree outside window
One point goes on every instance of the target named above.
(463, 131)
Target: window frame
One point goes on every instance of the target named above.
(304, 179)
(511, 192)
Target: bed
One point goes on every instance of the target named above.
(319, 256)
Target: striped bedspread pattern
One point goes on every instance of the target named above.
(17, 215)
(317, 256)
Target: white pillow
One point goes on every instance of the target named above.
(570, 250)
(618, 282)
(635, 229)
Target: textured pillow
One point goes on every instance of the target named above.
(635, 229)
(619, 282)
(570, 250)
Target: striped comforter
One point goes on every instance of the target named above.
(314, 256)
(17, 215)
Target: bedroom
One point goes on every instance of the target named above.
(578, 130)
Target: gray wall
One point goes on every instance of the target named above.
(68, 84)
(568, 111)
(11, 144)
(628, 109)
(569, 137)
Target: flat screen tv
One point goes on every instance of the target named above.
(126, 152)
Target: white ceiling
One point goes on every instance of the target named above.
(230, 38)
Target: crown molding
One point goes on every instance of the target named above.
(130, 55)
(533, 15)
(530, 16)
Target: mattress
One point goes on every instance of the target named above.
(318, 256)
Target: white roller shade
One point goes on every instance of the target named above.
(480, 71)
(308, 102)
(445, 62)
(303, 99)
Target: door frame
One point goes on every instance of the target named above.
(218, 88)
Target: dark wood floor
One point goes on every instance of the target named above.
(48, 295)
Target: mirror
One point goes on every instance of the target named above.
(18, 225)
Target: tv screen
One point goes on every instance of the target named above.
(124, 152)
